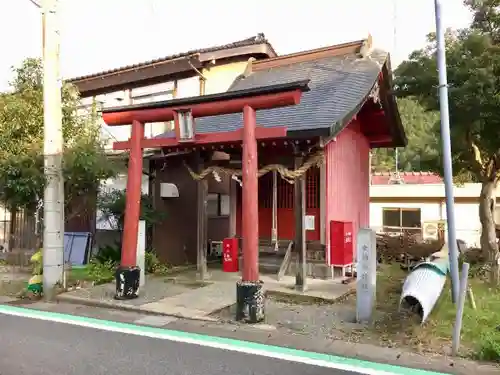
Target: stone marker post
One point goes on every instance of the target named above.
(141, 252)
(366, 269)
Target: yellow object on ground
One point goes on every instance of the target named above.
(37, 279)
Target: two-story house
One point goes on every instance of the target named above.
(192, 73)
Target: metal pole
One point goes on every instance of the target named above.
(457, 327)
(445, 136)
(274, 233)
(397, 161)
(53, 231)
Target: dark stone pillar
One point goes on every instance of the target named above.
(250, 301)
(127, 282)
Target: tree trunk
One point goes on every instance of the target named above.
(487, 203)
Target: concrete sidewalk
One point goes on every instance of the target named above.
(183, 297)
(197, 303)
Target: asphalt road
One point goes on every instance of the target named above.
(35, 347)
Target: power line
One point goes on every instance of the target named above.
(394, 47)
(35, 3)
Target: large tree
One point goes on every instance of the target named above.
(422, 145)
(21, 145)
(473, 67)
(486, 17)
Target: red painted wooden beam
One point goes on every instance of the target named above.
(133, 198)
(250, 205)
(209, 138)
(222, 107)
(375, 126)
(379, 138)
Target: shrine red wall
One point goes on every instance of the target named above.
(286, 217)
(348, 180)
(347, 190)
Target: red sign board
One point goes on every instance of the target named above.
(341, 243)
(230, 261)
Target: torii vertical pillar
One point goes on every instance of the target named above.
(249, 292)
(128, 273)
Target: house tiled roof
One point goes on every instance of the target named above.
(339, 86)
(254, 40)
(384, 178)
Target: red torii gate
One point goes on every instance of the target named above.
(183, 112)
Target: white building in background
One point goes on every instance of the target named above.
(419, 203)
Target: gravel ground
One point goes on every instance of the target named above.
(322, 321)
(334, 321)
(12, 288)
(14, 273)
(156, 289)
(331, 321)
(12, 282)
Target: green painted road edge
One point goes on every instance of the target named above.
(396, 370)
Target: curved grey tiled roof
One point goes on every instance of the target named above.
(339, 85)
(260, 38)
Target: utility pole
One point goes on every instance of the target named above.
(53, 200)
(445, 137)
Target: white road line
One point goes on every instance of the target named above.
(254, 350)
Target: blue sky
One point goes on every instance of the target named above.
(103, 34)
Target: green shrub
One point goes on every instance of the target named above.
(151, 262)
(163, 269)
(489, 348)
(109, 253)
(113, 204)
(101, 273)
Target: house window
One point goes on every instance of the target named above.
(402, 219)
(154, 128)
(217, 205)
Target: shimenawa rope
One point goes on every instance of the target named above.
(288, 175)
